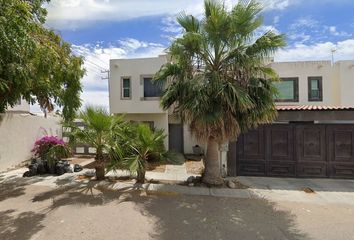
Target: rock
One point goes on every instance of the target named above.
(198, 179)
(27, 174)
(231, 184)
(68, 169)
(77, 168)
(59, 168)
(41, 168)
(190, 179)
(33, 169)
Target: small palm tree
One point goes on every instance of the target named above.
(218, 81)
(98, 131)
(140, 146)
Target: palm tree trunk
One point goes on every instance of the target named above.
(99, 165)
(140, 176)
(212, 174)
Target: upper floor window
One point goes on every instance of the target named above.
(151, 89)
(288, 90)
(126, 88)
(315, 88)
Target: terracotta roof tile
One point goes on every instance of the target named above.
(312, 108)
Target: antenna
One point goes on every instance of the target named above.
(333, 50)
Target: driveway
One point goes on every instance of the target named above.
(32, 209)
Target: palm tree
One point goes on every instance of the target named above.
(218, 81)
(98, 132)
(140, 146)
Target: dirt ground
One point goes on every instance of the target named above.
(194, 167)
(29, 210)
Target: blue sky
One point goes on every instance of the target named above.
(104, 29)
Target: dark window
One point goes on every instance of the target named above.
(151, 89)
(150, 124)
(288, 90)
(126, 89)
(315, 88)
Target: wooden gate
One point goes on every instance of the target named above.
(294, 150)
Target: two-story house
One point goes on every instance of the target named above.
(132, 93)
(312, 137)
(316, 83)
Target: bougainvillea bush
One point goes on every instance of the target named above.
(51, 148)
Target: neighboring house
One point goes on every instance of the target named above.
(315, 83)
(312, 137)
(314, 133)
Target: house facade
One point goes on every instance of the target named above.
(132, 93)
(312, 137)
(315, 83)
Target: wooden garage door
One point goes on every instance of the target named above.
(294, 150)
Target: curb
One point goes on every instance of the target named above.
(166, 189)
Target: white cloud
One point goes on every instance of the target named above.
(307, 22)
(276, 4)
(318, 51)
(333, 30)
(72, 14)
(77, 13)
(95, 89)
(299, 37)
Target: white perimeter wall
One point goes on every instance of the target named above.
(18, 132)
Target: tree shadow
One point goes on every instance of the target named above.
(21, 226)
(14, 186)
(91, 193)
(184, 217)
(193, 217)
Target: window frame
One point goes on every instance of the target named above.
(320, 88)
(122, 88)
(150, 124)
(142, 82)
(295, 81)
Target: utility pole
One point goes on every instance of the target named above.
(105, 71)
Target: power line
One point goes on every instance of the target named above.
(90, 64)
(93, 70)
(95, 64)
(96, 58)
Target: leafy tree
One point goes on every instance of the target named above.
(218, 79)
(100, 127)
(35, 63)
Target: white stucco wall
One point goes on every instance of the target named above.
(345, 73)
(23, 107)
(18, 132)
(189, 141)
(160, 121)
(133, 68)
(305, 69)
